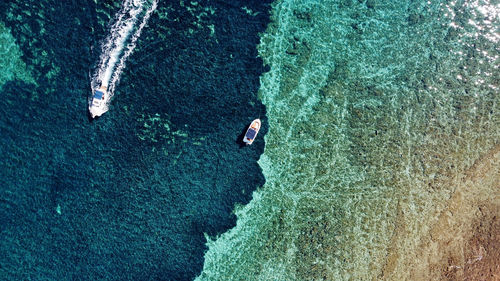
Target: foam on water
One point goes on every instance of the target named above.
(118, 46)
(370, 132)
(130, 46)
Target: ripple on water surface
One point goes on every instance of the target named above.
(377, 110)
(131, 195)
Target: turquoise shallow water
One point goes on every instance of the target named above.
(375, 114)
(376, 111)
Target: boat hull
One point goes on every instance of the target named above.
(252, 132)
(99, 103)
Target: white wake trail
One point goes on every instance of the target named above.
(131, 47)
(118, 45)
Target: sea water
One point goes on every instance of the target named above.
(132, 195)
(382, 157)
(381, 128)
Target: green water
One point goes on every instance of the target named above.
(10, 59)
(374, 108)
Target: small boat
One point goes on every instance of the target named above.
(99, 103)
(252, 132)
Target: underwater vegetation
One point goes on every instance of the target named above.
(382, 156)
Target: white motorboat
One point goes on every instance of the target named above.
(99, 103)
(252, 132)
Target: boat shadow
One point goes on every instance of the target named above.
(89, 117)
(239, 139)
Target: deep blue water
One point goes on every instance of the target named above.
(130, 209)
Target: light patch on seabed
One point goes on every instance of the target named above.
(370, 134)
(11, 65)
(158, 127)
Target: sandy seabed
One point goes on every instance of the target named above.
(464, 242)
